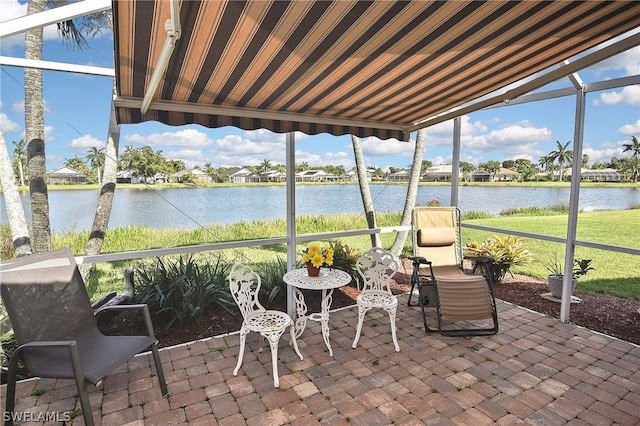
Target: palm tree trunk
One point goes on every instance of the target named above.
(13, 205)
(561, 168)
(34, 129)
(21, 172)
(363, 183)
(105, 200)
(412, 191)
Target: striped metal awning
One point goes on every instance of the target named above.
(369, 68)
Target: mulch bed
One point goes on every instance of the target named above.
(608, 315)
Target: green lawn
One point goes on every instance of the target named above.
(615, 273)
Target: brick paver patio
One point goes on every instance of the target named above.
(534, 371)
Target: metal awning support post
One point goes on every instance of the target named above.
(455, 162)
(291, 214)
(574, 198)
(173, 29)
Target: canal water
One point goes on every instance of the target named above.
(194, 207)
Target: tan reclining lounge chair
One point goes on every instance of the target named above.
(464, 303)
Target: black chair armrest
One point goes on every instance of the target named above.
(419, 260)
(140, 307)
(121, 307)
(71, 345)
(47, 343)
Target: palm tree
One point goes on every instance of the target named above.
(34, 111)
(634, 147)
(265, 166)
(546, 164)
(20, 158)
(13, 205)
(562, 154)
(105, 200)
(34, 129)
(365, 193)
(492, 167)
(96, 160)
(412, 191)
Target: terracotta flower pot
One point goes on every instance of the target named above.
(312, 270)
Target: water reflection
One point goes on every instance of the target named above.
(194, 207)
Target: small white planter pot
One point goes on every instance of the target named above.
(555, 285)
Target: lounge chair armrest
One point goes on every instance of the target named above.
(141, 307)
(419, 260)
(481, 259)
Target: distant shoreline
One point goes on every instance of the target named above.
(223, 185)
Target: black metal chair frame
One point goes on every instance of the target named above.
(72, 363)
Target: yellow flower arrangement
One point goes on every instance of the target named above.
(318, 255)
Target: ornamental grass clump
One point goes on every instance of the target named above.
(183, 288)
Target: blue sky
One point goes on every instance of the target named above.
(77, 117)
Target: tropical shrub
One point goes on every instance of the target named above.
(506, 252)
(183, 288)
(273, 287)
(7, 341)
(581, 267)
(345, 257)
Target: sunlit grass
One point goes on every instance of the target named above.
(615, 273)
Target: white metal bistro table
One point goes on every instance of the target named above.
(328, 280)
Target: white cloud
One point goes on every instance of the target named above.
(83, 143)
(18, 106)
(263, 135)
(234, 150)
(601, 155)
(48, 134)
(251, 148)
(629, 61)
(12, 9)
(515, 141)
(630, 129)
(440, 160)
(629, 95)
(374, 147)
(7, 124)
(235, 144)
(190, 157)
(186, 138)
(441, 134)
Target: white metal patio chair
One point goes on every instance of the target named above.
(377, 266)
(244, 284)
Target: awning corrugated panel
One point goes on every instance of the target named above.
(369, 68)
